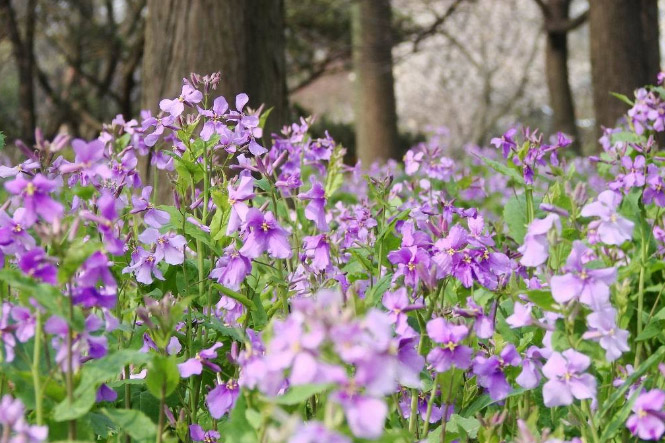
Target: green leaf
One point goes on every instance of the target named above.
(619, 419)
(542, 298)
(300, 393)
(654, 328)
(93, 374)
(2, 140)
(77, 253)
(514, 214)
(620, 392)
(134, 422)
(469, 425)
(162, 375)
(235, 295)
(234, 333)
(375, 293)
(623, 98)
(503, 169)
(238, 429)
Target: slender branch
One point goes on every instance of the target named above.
(567, 25)
(436, 26)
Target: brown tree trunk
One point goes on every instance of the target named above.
(242, 39)
(23, 48)
(556, 71)
(624, 52)
(376, 117)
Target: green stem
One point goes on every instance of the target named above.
(36, 381)
(160, 425)
(592, 423)
(430, 403)
(640, 295)
(530, 211)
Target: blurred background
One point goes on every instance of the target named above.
(378, 74)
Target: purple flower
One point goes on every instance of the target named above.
(448, 250)
(531, 365)
(37, 264)
(25, 323)
(589, 286)
(566, 379)
(104, 393)
(451, 353)
(476, 228)
(521, 315)
(635, 175)
(365, 415)
(603, 328)
(169, 247)
(647, 420)
(214, 123)
(152, 217)
(535, 249)
(106, 221)
(412, 262)
(14, 237)
(175, 107)
(315, 432)
(655, 189)
(14, 427)
(612, 228)
(264, 234)
(237, 198)
(89, 161)
(85, 345)
(144, 265)
(195, 364)
(231, 268)
(315, 209)
(196, 433)
(36, 198)
(6, 333)
(397, 303)
(490, 371)
(317, 247)
(505, 142)
(222, 398)
(160, 124)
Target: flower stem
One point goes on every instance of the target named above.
(592, 423)
(36, 381)
(640, 294)
(530, 211)
(430, 403)
(160, 425)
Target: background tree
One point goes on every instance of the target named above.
(624, 52)
(376, 115)
(242, 39)
(557, 24)
(23, 47)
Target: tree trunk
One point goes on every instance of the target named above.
(376, 117)
(23, 49)
(624, 52)
(242, 39)
(556, 71)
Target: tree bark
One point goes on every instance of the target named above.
(376, 116)
(242, 39)
(23, 49)
(624, 52)
(556, 71)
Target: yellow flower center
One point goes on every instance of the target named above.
(30, 189)
(451, 345)
(265, 226)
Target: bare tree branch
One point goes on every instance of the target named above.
(435, 27)
(568, 25)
